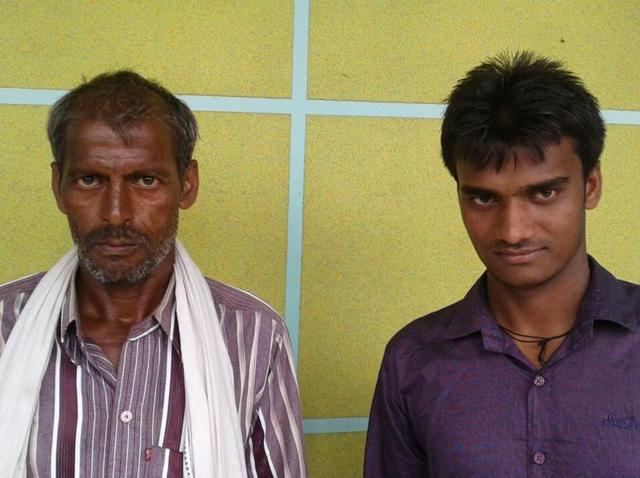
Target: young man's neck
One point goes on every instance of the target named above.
(546, 310)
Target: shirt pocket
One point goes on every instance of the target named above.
(157, 459)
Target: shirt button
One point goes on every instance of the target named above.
(126, 416)
(539, 458)
(539, 381)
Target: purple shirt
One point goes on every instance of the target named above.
(456, 398)
(96, 421)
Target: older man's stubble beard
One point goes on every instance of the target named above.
(119, 274)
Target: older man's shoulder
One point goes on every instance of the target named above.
(24, 285)
(13, 297)
(233, 302)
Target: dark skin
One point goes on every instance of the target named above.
(108, 313)
(527, 224)
(105, 183)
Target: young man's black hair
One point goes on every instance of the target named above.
(522, 100)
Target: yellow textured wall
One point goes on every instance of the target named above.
(223, 48)
(416, 50)
(382, 239)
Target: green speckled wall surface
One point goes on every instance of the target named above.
(347, 221)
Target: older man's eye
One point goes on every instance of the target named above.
(87, 180)
(147, 181)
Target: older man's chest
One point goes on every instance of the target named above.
(93, 420)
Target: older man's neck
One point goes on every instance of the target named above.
(109, 311)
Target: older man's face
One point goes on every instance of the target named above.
(122, 200)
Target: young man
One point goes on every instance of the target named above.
(123, 360)
(535, 372)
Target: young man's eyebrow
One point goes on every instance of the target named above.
(474, 190)
(548, 184)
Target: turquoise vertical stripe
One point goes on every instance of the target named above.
(296, 172)
(300, 50)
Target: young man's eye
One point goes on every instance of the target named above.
(482, 199)
(546, 193)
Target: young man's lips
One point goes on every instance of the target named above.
(520, 256)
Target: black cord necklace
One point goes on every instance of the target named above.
(528, 339)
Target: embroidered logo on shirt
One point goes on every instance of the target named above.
(628, 422)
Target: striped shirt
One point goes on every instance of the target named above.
(95, 421)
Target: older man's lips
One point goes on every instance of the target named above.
(519, 256)
(116, 248)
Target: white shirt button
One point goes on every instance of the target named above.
(126, 416)
(539, 458)
(539, 381)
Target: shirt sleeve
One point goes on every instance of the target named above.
(391, 448)
(277, 446)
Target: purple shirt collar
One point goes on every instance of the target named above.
(602, 302)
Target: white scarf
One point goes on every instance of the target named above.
(213, 439)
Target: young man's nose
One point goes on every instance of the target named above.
(515, 224)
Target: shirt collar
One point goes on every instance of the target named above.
(163, 314)
(604, 300)
(472, 313)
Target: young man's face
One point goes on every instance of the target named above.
(527, 220)
(122, 200)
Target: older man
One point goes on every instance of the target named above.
(123, 360)
(535, 372)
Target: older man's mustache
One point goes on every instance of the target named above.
(114, 233)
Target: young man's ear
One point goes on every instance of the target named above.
(190, 184)
(593, 188)
(56, 184)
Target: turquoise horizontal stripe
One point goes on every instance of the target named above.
(375, 109)
(235, 104)
(621, 117)
(317, 426)
(29, 96)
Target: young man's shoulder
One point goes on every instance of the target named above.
(618, 295)
(629, 296)
(428, 334)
